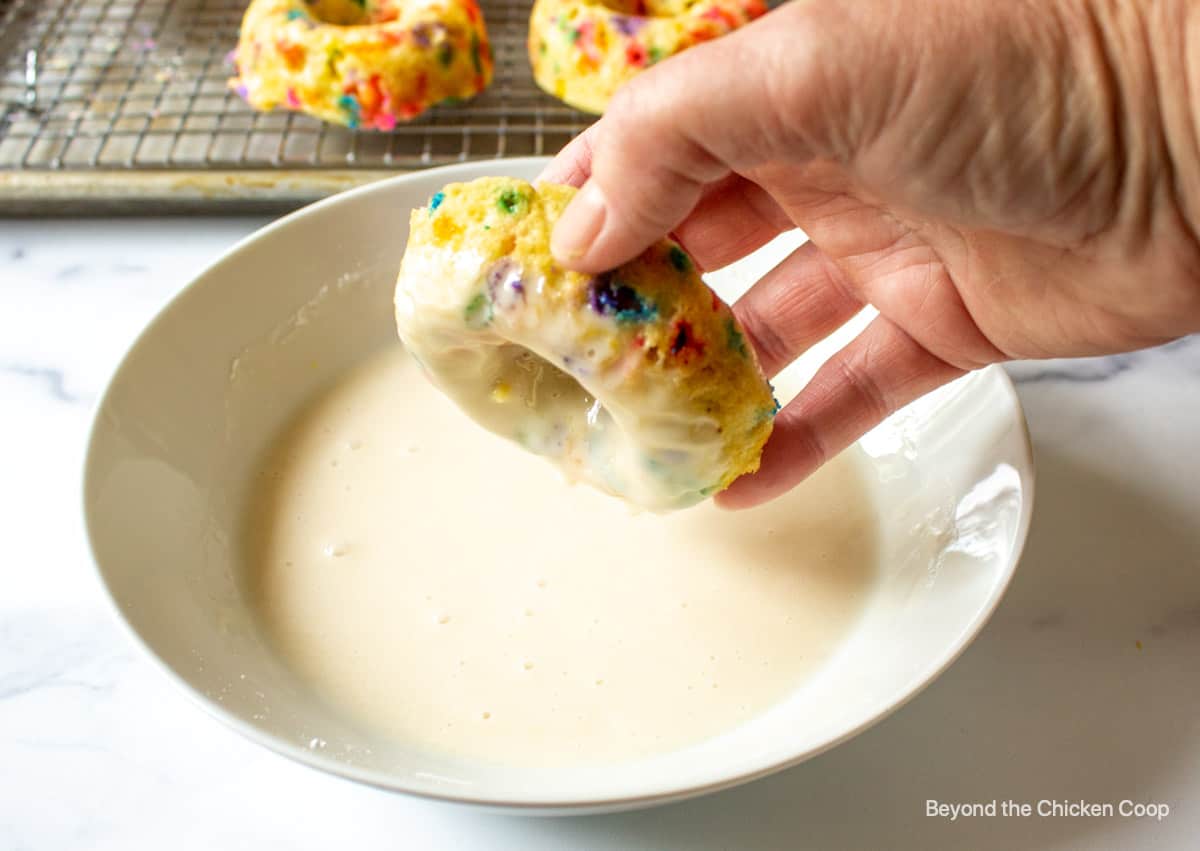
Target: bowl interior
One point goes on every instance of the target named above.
(216, 376)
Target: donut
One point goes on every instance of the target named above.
(639, 381)
(361, 63)
(582, 51)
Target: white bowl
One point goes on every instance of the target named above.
(301, 301)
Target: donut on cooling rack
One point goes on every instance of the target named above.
(582, 51)
(639, 381)
(361, 63)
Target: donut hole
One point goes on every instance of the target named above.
(351, 13)
(538, 384)
(648, 8)
(551, 413)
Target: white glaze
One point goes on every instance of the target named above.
(443, 587)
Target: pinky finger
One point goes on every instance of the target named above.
(876, 374)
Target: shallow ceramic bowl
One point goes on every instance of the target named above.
(220, 371)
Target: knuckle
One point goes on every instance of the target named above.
(630, 100)
(856, 375)
(642, 210)
(759, 322)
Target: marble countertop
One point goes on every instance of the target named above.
(1085, 686)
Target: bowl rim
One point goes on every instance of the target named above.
(677, 792)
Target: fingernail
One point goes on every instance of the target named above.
(580, 224)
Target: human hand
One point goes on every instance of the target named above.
(1000, 180)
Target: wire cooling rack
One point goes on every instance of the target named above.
(122, 105)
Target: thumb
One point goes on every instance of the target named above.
(728, 105)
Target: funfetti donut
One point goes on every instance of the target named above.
(582, 51)
(363, 64)
(639, 381)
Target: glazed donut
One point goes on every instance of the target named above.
(639, 381)
(361, 63)
(583, 50)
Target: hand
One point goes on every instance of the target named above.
(1001, 180)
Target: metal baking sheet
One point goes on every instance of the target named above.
(121, 106)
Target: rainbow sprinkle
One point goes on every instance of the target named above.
(478, 311)
(505, 287)
(735, 339)
(685, 340)
(511, 201)
(765, 414)
(679, 259)
(349, 105)
(612, 298)
(628, 25)
(331, 60)
(476, 62)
